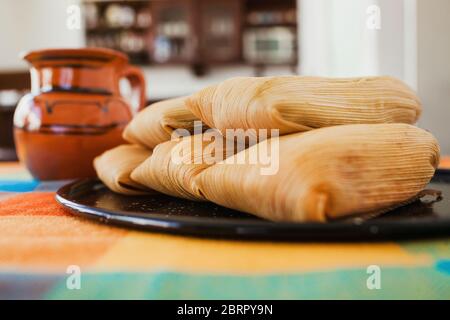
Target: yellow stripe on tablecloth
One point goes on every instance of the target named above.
(141, 252)
(14, 171)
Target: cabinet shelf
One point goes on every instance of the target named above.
(271, 25)
(116, 29)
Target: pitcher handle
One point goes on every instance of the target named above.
(137, 81)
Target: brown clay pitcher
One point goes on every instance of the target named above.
(74, 111)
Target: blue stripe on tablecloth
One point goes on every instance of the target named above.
(31, 185)
(396, 283)
(443, 266)
(26, 286)
(18, 185)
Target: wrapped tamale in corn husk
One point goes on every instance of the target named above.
(114, 168)
(299, 103)
(326, 173)
(174, 164)
(156, 123)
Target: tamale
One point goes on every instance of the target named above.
(115, 166)
(327, 173)
(174, 164)
(299, 103)
(156, 123)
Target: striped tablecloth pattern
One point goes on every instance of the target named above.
(47, 253)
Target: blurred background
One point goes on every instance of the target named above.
(184, 45)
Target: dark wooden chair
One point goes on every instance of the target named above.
(19, 81)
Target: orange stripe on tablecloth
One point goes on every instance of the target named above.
(445, 162)
(52, 243)
(37, 234)
(32, 204)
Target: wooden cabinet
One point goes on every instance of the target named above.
(196, 31)
(199, 33)
(220, 30)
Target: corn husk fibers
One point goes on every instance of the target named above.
(156, 123)
(114, 168)
(298, 103)
(328, 173)
(174, 164)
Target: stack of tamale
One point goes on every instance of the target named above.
(342, 147)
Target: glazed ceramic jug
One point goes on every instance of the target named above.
(75, 110)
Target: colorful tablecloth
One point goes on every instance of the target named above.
(47, 253)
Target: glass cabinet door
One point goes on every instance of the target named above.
(220, 26)
(173, 36)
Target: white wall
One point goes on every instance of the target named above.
(336, 42)
(34, 24)
(165, 82)
(433, 26)
(390, 46)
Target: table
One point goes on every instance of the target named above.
(47, 253)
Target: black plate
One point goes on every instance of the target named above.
(90, 198)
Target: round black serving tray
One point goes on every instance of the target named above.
(90, 198)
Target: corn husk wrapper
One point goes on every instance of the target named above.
(297, 103)
(327, 173)
(115, 166)
(156, 123)
(174, 164)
